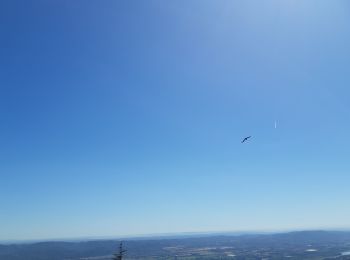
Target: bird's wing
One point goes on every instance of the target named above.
(245, 139)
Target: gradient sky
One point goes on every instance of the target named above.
(125, 117)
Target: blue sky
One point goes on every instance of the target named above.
(125, 117)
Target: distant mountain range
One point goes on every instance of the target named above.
(295, 245)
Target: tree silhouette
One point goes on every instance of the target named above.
(120, 254)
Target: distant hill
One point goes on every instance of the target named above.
(297, 245)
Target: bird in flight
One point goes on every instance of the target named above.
(246, 139)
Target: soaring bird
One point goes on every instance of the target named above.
(246, 139)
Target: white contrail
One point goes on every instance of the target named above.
(275, 124)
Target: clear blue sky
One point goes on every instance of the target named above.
(125, 117)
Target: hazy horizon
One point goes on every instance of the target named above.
(122, 117)
(170, 235)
